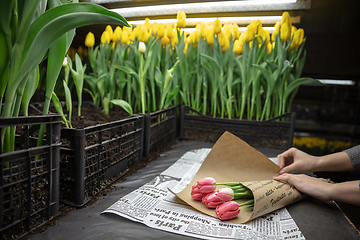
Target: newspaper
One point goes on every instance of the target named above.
(155, 206)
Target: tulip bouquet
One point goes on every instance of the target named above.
(221, 199)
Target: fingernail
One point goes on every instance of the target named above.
(281, 171)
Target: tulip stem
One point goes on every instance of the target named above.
(250, 207)
(249, 202)
(245, 194)
(229, 184)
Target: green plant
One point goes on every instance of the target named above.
(29, 34)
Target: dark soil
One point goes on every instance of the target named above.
(90, 116)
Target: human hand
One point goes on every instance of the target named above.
(294, 159)
(311, 186)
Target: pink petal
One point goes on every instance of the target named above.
(206, 181)
(225, 197)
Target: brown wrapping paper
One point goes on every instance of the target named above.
(231, 160)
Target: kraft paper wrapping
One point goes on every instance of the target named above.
(233, 160)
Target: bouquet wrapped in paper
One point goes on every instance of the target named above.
(247, 173)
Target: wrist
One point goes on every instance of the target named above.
(318, 164)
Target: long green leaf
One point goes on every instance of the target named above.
(125, 105)
(68, 100)
(57, 21)
(29, 90)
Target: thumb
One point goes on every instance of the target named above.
(287, 169)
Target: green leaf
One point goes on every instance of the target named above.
(30, 88)
(128, 70)
(57, 21)
(171, 96)
(125, 105)
(58, 108)
(68, 100)
(296, 83)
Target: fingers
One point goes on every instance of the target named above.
(282, 178)
(285, 160)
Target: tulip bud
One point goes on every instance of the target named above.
(105, 38)
(89, 39)
(214, 199)
(228, 210)
(217, 26)
(125, 37)
(285, 32)
(210, 37)
(286, 19)
(110, 31)
(250, 31)
(165, 40)
(181, 16)
(64, 64)
(117, 34)
(147, 24)
(196, 193)
(142, 47)
(298, 38)
(238, 46)
(276, 31)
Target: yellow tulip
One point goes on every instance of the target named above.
(250, 31)
(165, 40)
(105, 37)
(227, 45)
(235, 31)
(181, 16)
(293, 30)
(127, 29)
(155, 27)
(133, 34)
(210, 37)
(238, 47)
(90, 39)
(125, 37)
(174, 40)
(110, 31)
(263, 35)
(169, 31)
(147, 24)
(227, 29)
(194, 38)
(276, 31)
(224, 41)
(161, 30)
(117, 34)
(298, 38)
(286, 19)
(217, 26)
(285, 32)
(205, 27)
(143, 34)
(242, 37)
(268, 47)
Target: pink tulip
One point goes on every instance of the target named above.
(196, 194)
(227, 210)
(206, 185)
(214, 199)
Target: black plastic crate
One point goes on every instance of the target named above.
(93, 156)
(29, 190)
(161, 128)
(272, 133)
